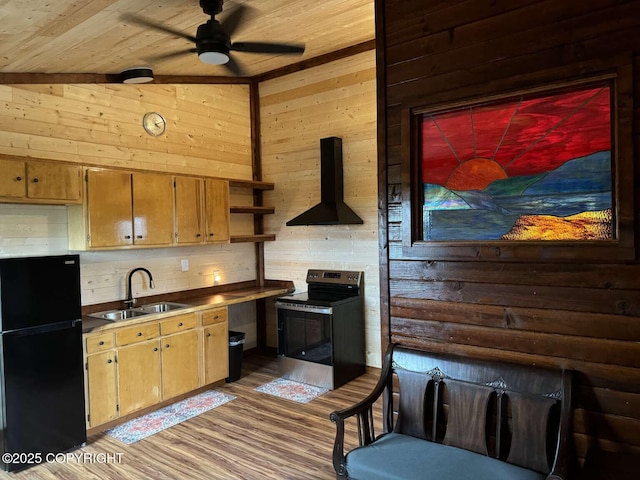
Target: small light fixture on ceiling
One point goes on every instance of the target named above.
(137, 75)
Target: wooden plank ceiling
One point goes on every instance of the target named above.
(67, 36)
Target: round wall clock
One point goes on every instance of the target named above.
(154, 123)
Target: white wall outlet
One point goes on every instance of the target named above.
(184, 264)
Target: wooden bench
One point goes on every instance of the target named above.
(454, 418)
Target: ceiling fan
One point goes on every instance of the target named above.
(213, 38)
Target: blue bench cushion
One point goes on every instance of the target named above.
(402, 457)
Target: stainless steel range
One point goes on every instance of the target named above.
(321, 331)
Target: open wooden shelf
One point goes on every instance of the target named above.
(251, 184)
(252, 238)
(251, 209)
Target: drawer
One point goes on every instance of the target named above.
(178, 323)
(215, 316)
(137, 333)
(98, 342)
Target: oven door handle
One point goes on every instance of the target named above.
(305, 308)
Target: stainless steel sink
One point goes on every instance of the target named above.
(115, 315)
(161, 307)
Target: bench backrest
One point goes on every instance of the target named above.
(516, 413)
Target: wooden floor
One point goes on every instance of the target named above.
(255, 436)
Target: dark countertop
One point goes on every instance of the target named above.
(205, 302)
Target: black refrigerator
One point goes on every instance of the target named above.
(41, 376)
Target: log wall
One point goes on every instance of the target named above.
(571, 312)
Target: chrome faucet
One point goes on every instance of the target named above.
(130, 301)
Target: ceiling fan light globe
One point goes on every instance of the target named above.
(214, 58)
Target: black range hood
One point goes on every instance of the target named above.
(331, 210)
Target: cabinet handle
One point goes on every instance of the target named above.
(127, 237)
(198, 235)
(138, 236)
(35, 180)
(101, 342)
(155, 349)
(166, 346)
(109, 361)
(139, 334)
(216, 317)
(211, 234)
(180, 324)
(208, 334)
(18, 179)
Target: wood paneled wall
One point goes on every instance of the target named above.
(208, 126)
(296, 111)
(567, 313)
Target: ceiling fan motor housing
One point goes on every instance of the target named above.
(211, 39)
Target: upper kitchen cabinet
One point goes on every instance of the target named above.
(152, 209)
(201, 210)
(40, 182)
(216, 195)
(188, 210)
(123, 209)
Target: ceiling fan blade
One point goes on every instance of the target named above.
(171, 55)
(261, 47)
(234, 67)
(231, 23)
(158, 26)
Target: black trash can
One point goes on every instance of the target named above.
(236, 345)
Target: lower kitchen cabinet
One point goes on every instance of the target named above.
(100, 381)
(179, 363)
(133, 367)
(215, 337)
(139, 376)
(101, 388)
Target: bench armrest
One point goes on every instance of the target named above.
(363, 411)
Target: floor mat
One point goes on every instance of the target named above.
(290, 390)
(154, 422)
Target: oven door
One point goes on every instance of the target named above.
(304, 332)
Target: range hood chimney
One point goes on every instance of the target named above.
(331, 210)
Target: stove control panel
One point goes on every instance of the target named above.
(337, 277)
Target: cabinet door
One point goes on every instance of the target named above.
(101, 388)
(179, 363)
(139, 376)
(189, 204)
(216, 352)
(217, 210)
(152, 209)
(48, 181)
(109, 208)
(12, 179)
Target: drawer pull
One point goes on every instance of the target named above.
(166, 346)
(216, 317)
(198, 235)
(208, 334)
(101, 342)
(211, 234)
(109, 361)
(35, 180)
(18, 179)
(155, 349)
(139, 334)
(180, 324)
